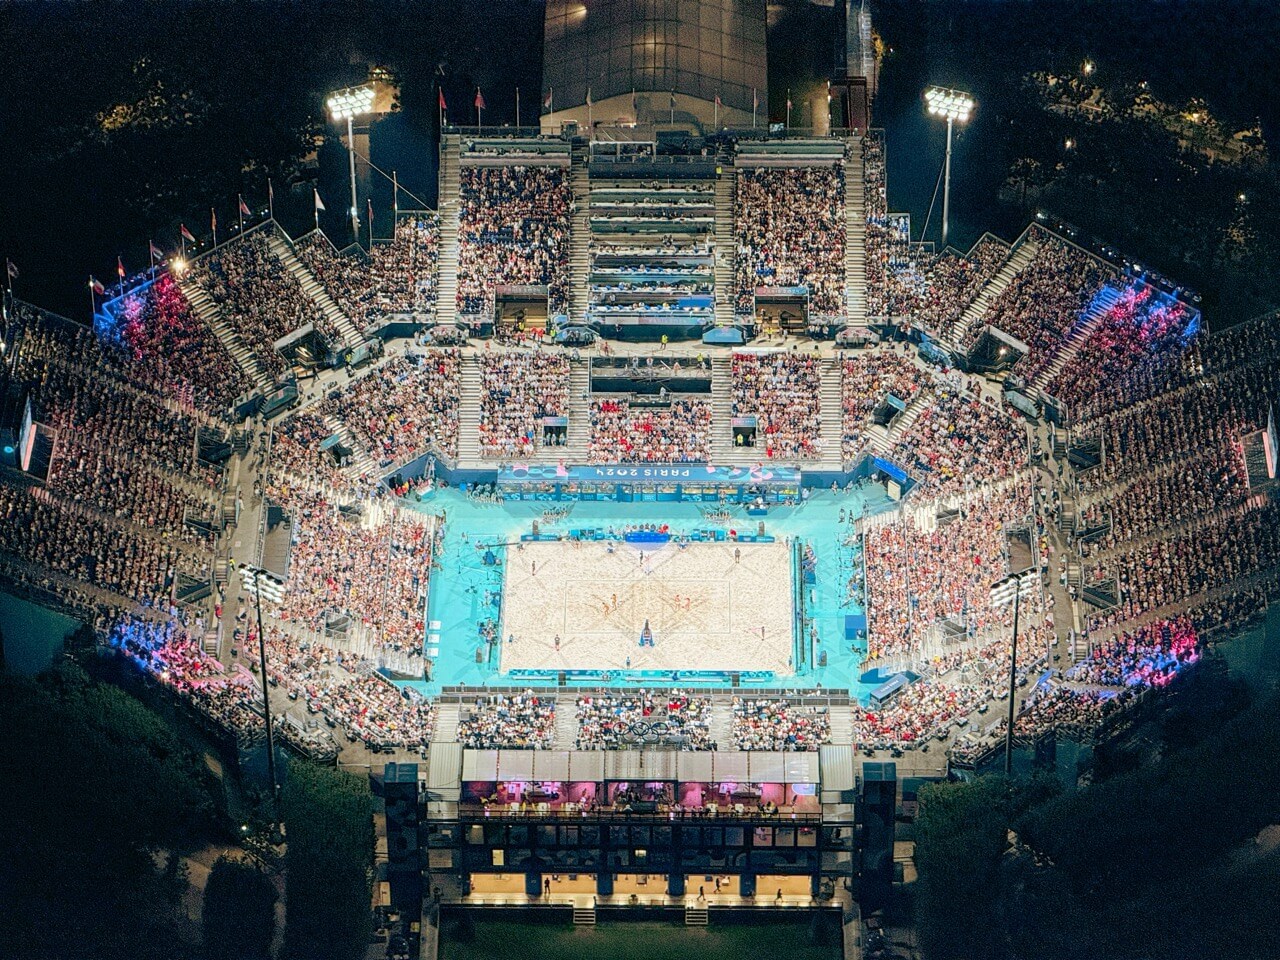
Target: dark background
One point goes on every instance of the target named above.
(121, 119)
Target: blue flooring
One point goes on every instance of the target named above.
(465, 592)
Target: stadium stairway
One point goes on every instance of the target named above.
(448, 204)
(445, 729)
(312, 288)
(720, 724)
(469, 412)
(988, 295)
(722, 450)
(908, 417)
(359, 454)
(1079, 334)
(580, 237)
(841, 723)
(566, 732)
(855, 245)
(215, 320)
(831, 401)
(578, 441)
(726, 247)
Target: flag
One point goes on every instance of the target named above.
(443, 105)
(319, 202)
(186, 234)
(156, 252)
(718, 103)
(120, 268)
(96, 287)
(673, 98)
(547, 100)
(11, 269)
(788, 103)
(589, 97)
(479, 99)
(755, 99)
(213, 220)
(244, 208)
(271, 193)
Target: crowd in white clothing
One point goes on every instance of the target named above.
(781, 390)
(772, 724)
(523, 721)
(518, 390)
(675, 717)
(679, 432)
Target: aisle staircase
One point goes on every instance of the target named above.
(445, 729)
(988, 295)
(584, 915)
(721, 723)
(855, 248)
(566, 734)
(580, 236)
(722, 449)
(315, 290)
(448, 204)
(726, 248)
(579, 412)
(216, 320)
(841, 717)
(1080, 332)
(360, 457)
(469, 412)
(832, 412)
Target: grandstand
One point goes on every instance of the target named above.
(583, 497)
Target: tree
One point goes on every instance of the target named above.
(328, 817)
(239, 911)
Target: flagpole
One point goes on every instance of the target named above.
(788, 108)
(271, 200)
(589, 108)
(240, 210)
(517, 106)
(673, 108)
(370, 212)
(213, 222)
(395, 194)
(755, 105)
(93, 304)
(717, 112)
(184, 246)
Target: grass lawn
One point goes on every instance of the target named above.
(621, 940)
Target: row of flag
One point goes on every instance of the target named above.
(548, 101)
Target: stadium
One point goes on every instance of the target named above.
(655, 515)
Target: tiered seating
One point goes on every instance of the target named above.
(677, 433)
(781, 391)
(513, 229)
(259, 296)
(524, 722)
(517, 391)
(790, 227)
(779, 725)
(404, 407)
(866, 381)
(396, 277)
(932, 290)
(154, 337)
(606, 722)
(1045, 299)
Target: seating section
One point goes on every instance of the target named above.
(679, 432)
(517, 390)
(398, 277)
(513, 228)
(781, 390)
(790, 228)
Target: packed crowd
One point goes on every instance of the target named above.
(933, 290)
(156, 338)
(882, 243)
(523, 721)
(918, 577)
(609, 722)
(779, 725)
(790, 229)
(403, 407)
(513, 228)
(397, 277)
(677, 433)
(372, 568)
(1140, 329)
(960, 441)
(867, 380)
(517, 390)
(348, 693)
(781, 390)
(1045, 299)
(260, 299)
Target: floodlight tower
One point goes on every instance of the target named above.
(345, 105)
(955, 107)
(259, 581)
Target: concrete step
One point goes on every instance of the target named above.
(446, 725)
(314, 289)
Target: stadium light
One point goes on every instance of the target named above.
(1012, 588)
(257, 582)
(346, 105)
(955, 107)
